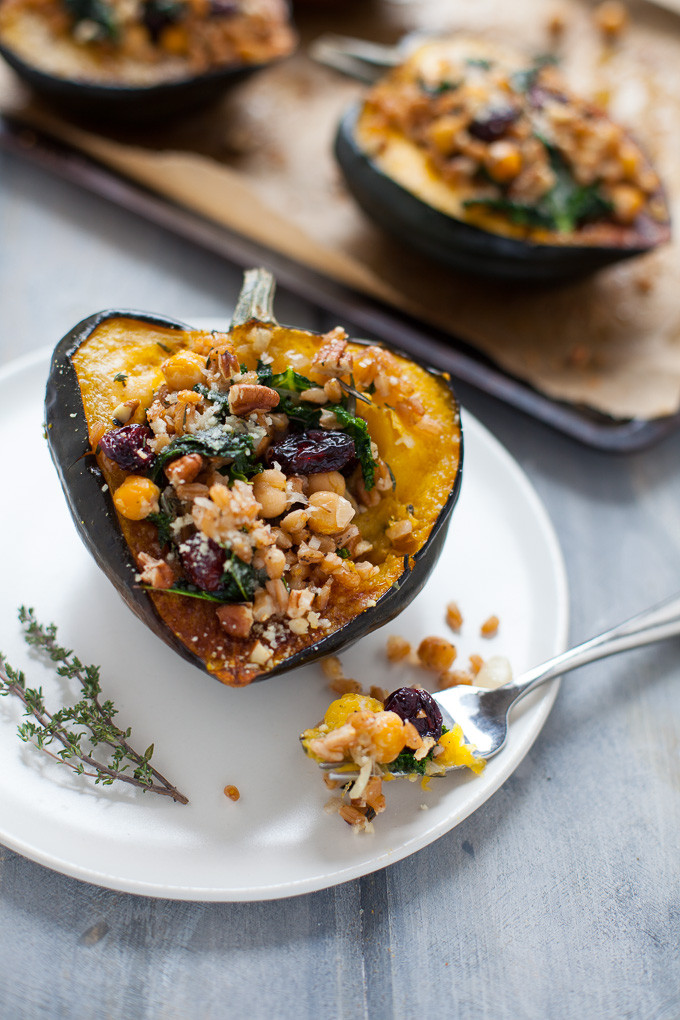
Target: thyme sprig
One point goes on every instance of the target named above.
(92, 717)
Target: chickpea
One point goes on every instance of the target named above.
(136, 498)
(385, 730)
(503, 160)
(436, 653)
(294, 521)
(329, 513)
(183, 370)
(329, 481)
(397, 648)
(454, 617)
(269, 489)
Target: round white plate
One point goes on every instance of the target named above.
(501, 557)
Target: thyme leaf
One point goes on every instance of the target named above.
(76, 730)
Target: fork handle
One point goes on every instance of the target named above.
(655, 624)
(357, 58)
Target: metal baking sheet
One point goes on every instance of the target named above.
(368, 316)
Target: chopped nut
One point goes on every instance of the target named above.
(260, 654)
(315, 395)
(352, 815)
(123, 413)
(245, 398)
(476, 663)
(331, 667)
(454, 617)
(263, 606)
(490, 627)
(184, 469)
(344, 685)
(436, 653)
(155, 572)
(236, 619)
(299, 603)
(401, 536)
(454, 678)
(397, 648)
(332, 359)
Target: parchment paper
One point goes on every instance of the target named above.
(261, 163)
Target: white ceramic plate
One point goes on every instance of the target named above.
(501, 557)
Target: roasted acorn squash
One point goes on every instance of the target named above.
(486, 162)
(149, 61)
(292, 489)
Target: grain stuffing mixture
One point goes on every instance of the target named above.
(140, 41)
(402, 733)
(512, 145)
(255, 481)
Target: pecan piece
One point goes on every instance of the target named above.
(184, 469)
(332, 359)
(236, 619)
(245, 398)
(155, 572)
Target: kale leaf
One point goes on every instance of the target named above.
(565, 207)
(524, 80)
(358, 430)
(289, 381)
(215, 441)
(406, 762)
(306, 416)
(99, 12)
(162, 521)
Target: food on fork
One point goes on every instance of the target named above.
(403, 734)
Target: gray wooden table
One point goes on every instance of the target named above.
(559, 898)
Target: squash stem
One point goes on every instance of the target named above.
(256, 300)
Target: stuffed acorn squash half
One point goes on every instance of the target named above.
(490, 164)
(140, 59)
(259, 497)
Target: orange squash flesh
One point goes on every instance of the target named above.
(424, 458)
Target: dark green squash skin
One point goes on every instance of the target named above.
(129, 103)
(96, 521)
(458, 244)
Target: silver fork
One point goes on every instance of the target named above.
(483, 714)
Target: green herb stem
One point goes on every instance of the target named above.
(90, 715)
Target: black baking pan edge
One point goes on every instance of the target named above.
(367, 314)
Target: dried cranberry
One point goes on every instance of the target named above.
(417, 707)
(128, 446)
(306, 453)
(203, 561)
(223, 8)
(491, 124)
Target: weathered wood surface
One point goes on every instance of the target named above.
(559, 898)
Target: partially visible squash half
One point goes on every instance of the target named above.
(257, 538)
(483, 161)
